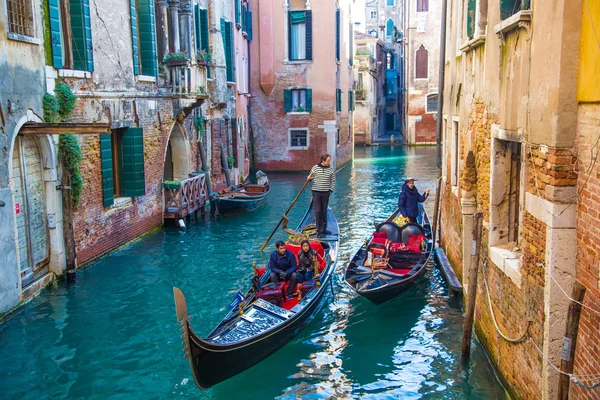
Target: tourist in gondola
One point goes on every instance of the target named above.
(282, 265)
(306, 262)
(409, 199)
(323, 179)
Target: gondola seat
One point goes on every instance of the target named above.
(272, 292)
(316, 246)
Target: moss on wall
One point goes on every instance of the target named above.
(46, 30)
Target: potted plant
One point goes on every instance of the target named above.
(230, 161)
(360, 94)
(175, 58)
(203, 57)
(171, 184)
(299, 109)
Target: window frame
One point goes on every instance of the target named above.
(427, 109)
(427, 64)
(371, 17)
(289, 139)
(32, 36)
(306, 34)
(422, 6)
(298, 93)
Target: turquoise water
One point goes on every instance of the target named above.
(114, 334)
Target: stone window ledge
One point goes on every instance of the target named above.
(292, 62)
(473, 43)
(522, 19)
(23, 38)
(121, 203)
(71, 73)
(145, 78)
(298, 113)
(297, 148)
(507, 261)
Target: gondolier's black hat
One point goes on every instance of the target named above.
(409, 179)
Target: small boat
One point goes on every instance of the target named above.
(256, 328)
(241, 198)
(392, 258)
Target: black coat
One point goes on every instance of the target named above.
(409, 200)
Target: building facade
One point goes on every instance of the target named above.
(422, 69)
(369, 82)
(384, 19)
(163, 100)
(519, 147)
(302, 93)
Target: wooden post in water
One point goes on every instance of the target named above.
(472, 289)
(570, 336)
(436, 209)
(67, 203)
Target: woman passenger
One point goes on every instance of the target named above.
(306, 262)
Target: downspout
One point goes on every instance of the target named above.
(249, 109)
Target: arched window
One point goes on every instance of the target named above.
(373, 32)
(421, 63)
(432, 102)
(389, 27)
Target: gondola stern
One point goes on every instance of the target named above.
(186, 331)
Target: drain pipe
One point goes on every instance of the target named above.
(438, 131)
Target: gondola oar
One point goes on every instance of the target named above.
(284, 216)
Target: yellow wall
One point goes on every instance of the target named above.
(589, 63)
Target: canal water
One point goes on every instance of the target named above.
(114, 334)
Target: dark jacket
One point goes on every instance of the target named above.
(286, 263)
(306, 260)
(409, 200)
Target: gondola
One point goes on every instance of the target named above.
(241, 198)
(257, 328)
(391, 259)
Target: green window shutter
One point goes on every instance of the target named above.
(134, 37)
(237, 11)
(337, 35)
(249, 25)
(108, 193)
(308, 100)
(471, 18)
(132, 159)
(309, 47)
(224, 38)
(287, 100)
(204, 35)
(338, 100)
(147, 37)
(83, 57)
(229, 52)
(198, 36)
(55, 34)
(351, 43)
(244, 14)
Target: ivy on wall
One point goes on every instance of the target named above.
(69, 153)
(50, 107)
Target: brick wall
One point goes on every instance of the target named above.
(587, 352)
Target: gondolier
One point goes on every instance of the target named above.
(323, 184)
(409, 199)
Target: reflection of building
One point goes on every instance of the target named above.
(422, 70)
(384, 19)
(520, 129)
(302, 84)
(369, 122)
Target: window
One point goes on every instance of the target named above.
(298, 139)
(505, 170)
(122, 155)
(297, 100)
(373, 32)
(300, 35)
(338, 136)
(390, 61)
(471, 9)
(227, 36)
(455, 152)
(422, 5)
(71, 41)
(421, 63)
(361, 84)
(432, 102)
(201, 31)
(338, 100)
(143, 37)
(351, 100)
(510, 7)
(337, 34)
(373, 15)
(390, 3)
(20, 17)
(389, 27)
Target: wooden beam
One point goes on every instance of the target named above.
(90, 128)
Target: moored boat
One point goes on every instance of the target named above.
(256, 328)
(241, 198)
(392, 258)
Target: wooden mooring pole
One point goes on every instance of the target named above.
(570, 340)
(472, 289)
(67, 203)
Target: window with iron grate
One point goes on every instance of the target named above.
(20, 17)
(298, 138)
(432, 101)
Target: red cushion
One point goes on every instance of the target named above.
(261, 271)
(400, 271)
(397, 247)
(294, 249)
(381, 235)
(414, 242)
(382, 241)
(316, 246)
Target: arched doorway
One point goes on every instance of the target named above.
(177, 164)
(28, 185)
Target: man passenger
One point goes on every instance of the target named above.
(282, 265)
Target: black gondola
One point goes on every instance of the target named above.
(242, 340)
(241, 198)
(395, 257)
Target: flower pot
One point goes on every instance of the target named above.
(175, 63)
(203, 63)
(171, 185)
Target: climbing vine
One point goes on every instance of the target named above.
(66, 100)
(199, 123)
(69, 153)
(50, 108)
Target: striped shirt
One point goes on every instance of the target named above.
(323, 179)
